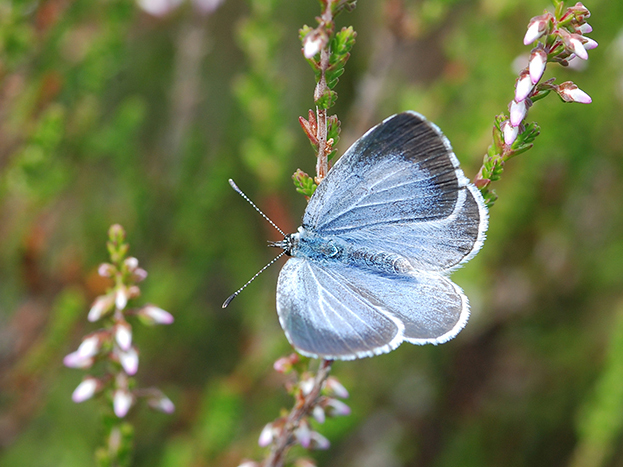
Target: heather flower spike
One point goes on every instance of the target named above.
(113, 344)
(560, 39)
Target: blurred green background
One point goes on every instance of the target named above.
(109, 114)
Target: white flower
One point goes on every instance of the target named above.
(90, 346)
(86, 389)
(75, 360)
(518, 112)
(510, 133)
(585, 28)
(162, 403)
(318, 414)
(129, 360)
(266, 436)
(122, 401)
(536, 65)
(569, 92)
(101, 306)
(578, 48)
(590, 44)
(121, 298)
(524, 86)
(151, 314)
(319, 441)
(337, 408)
(123, 335)
(334, 386)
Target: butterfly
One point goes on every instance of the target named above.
(369, 266)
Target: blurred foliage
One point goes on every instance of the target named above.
(110, 115)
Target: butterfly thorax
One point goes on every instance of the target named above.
(309, 244)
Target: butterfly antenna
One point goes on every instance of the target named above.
(239, 191)
(235, 294)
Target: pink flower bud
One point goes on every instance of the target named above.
(318, 441)
(336, 408)
(131, 263)
(139, 275)
(585, 28)
(123, 335)
(122, 402)
(248, 463)
(90, 345)
(207, 7)
(106, 270)
(518, 112)
(162, 404)
(158, 7)
(510, 133)
(307, 385)
(569, 92)
(524, 86)
(101, 307)
(303, 434)
(266, 436)
(536, 64)
(75, 360)
(318, 414)
(86, 389)
(573, 43)
(129, 360)
(334, 387)
(151, 315)
(121, 298)
(284, 364)
(536, 28)
(590, 44)
(314, 42)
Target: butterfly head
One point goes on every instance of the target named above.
(288, 243)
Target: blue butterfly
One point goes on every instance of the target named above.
(369, 266)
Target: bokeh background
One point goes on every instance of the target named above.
(117, 112)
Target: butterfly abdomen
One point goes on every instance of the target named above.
(310, 245)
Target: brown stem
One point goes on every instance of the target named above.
(286, 438)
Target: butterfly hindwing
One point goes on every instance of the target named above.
(336, 311)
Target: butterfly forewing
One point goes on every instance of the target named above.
(400, 188)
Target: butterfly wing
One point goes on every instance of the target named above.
(336, 311)
(399, 189)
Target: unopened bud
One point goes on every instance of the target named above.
(106, 270)
(569, 92)
(266, 436)
(123, 335)
(517, 112)
(86, 389)
(510, 133)
(122, 402)
(314, 42)
(536, 28)
(151, 315)
(129, 360)
(524, 86)
(536, 64)
(101, 307)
